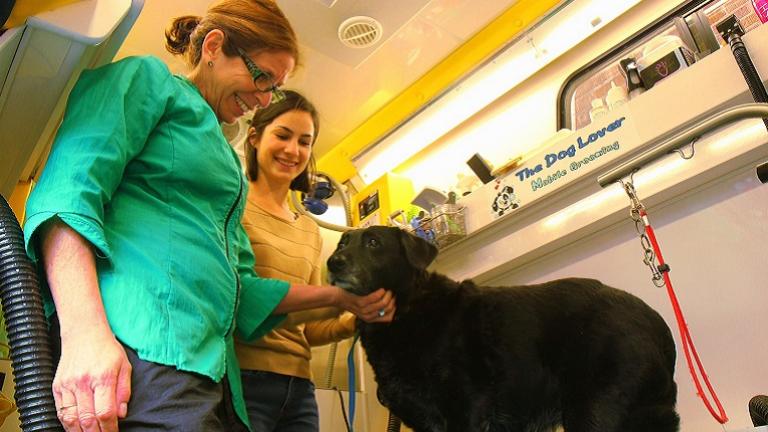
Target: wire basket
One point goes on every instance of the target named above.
(447, 223)
(443, 226)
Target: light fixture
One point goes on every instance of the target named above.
(563, 29)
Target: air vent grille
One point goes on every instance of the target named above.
(360, 32)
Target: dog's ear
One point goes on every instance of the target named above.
(419, 252)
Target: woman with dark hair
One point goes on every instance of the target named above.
(279, 393)
(136, 223)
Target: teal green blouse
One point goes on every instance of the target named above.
(140, 168)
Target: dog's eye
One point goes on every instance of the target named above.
(372, 242)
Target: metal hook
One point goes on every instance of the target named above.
(630, 181)
(632, 175)
(631, 178)
(693, 150)
(629, 188)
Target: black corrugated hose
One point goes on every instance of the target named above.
(749, 71)
(758, 410)
(27, 329)
(732, 31)
(393, 423)
(5, 11)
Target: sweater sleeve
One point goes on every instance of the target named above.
(333, 329)
(321, 332)
(110, 113)
(258, 296)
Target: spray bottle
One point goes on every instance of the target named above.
(635, 84)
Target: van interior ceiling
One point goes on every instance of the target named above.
(528, 141)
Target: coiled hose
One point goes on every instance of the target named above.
(393, 424)
(758, 410)
(328, 378)
(5, 11)
(749, 71)
(740, 53)
(27, 329)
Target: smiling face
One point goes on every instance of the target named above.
(226, 83)
(285, 146)
(233, 92)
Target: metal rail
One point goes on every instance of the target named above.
(696, 129)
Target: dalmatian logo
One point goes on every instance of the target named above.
(505, 201)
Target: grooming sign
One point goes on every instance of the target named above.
(556, 164)
(552, 167)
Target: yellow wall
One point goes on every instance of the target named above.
(23, 9)
(18, 199)
(338, 162)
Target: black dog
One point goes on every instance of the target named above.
(463, 358)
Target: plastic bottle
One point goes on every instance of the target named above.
(761, 8)
(616, 97)
(598, 109)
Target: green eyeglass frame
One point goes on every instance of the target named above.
(263, 81)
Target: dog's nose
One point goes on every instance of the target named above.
(336, 263)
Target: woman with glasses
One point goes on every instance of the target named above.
(136, 223)
(279, 393)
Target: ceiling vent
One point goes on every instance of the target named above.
(360, 32)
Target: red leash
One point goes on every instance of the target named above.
(661, 272)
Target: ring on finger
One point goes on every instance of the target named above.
(382, 312)
(60, 409)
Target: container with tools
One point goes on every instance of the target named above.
(447, 223)
(443, 225)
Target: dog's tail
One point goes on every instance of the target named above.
(656, 418)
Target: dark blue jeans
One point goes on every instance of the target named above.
(166, 399)
(280, 403)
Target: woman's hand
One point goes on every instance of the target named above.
(92, 385)
(379, 306)
(93, 380)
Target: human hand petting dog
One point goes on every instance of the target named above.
(378, 306)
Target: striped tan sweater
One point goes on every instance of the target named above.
(289, 250)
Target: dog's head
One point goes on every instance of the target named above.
(378, 257)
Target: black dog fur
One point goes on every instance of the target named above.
(458, 357)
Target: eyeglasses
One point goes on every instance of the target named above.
(263, 81)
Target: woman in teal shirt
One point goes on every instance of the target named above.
(136, 220)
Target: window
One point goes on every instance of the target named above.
(718, 10)
(688, 22)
